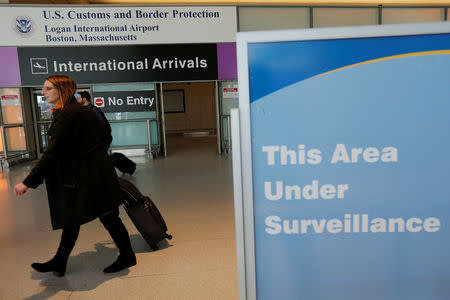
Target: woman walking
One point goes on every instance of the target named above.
(80, 179)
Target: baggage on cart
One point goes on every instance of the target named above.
(144, 214)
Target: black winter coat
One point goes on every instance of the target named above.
(80, 178)
(107, 138)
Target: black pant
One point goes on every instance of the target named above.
(118, 232)
(113, 225)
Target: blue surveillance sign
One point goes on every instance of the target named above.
(350, 156)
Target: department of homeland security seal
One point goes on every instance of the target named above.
(23, 26)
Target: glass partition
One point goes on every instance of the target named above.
(1, 142)
(272, 18)
(44, 108)
(393, 15)
(229, 98)
(129, 134)
(43, 115)
(338, 16)
(12, 133)
(11, 104)
(15, 139)
(252, 18)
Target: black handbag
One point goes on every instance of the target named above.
(123, 163)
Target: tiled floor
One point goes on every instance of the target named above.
(193, 189)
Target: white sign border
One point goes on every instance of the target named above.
(247, 281)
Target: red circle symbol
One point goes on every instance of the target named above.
(99, 102)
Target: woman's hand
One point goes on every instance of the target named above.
(20, 189)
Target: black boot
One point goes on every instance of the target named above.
(55, 265)
(58, 263)
(121, 263)
(120, 236)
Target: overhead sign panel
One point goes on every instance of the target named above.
(345, 162)
(107, 25)
(112, 64)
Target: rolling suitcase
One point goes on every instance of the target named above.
(123, 163)
(144, 214)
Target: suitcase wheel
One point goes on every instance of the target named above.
(168, 236)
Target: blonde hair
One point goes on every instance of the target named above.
(66, 87)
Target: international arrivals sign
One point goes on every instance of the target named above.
(106, 25)
(145, 63)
